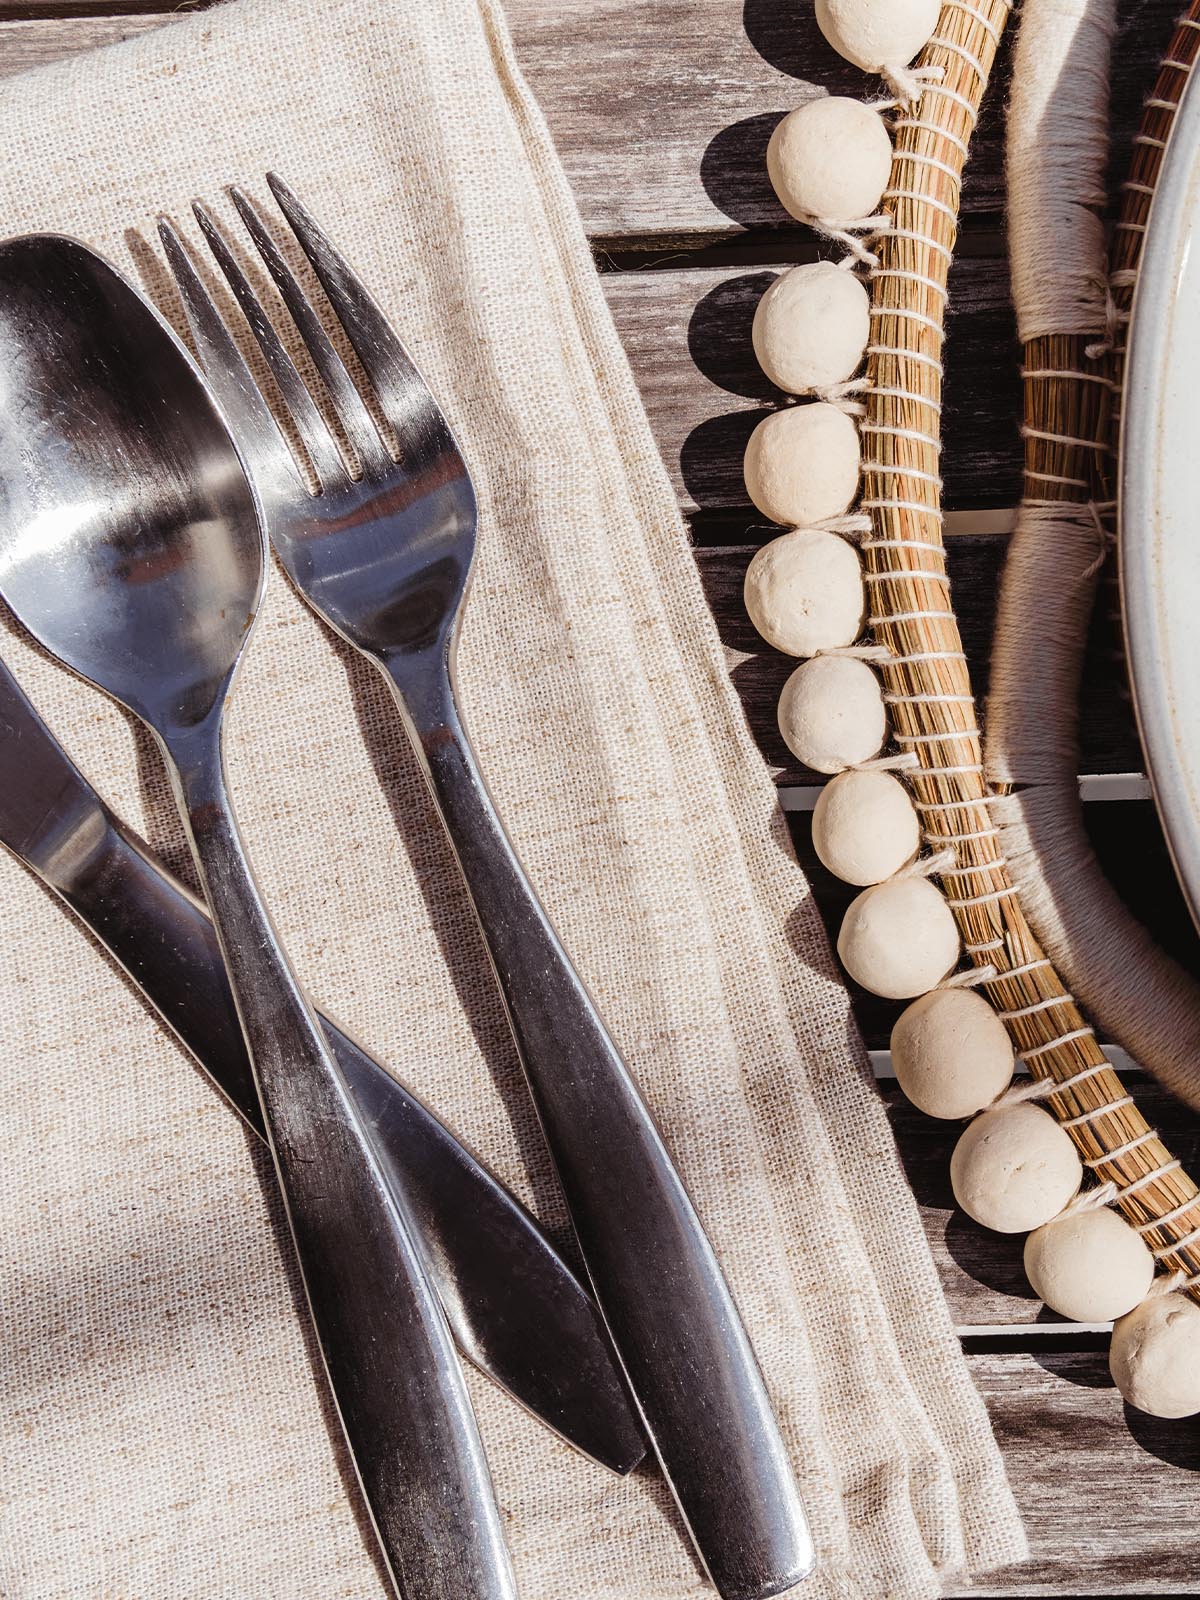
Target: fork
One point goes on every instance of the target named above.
(384, 554)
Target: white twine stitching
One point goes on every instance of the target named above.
(909, 83)
(913, 616)
(1099, 1111)
(1125, 1149)
(1019, 1094)
(934, 285)
(1170, 1216)
(1032, 1011)
(932, 699)
(970, 978)
(1114, 317)
(925, 199)
(1089, 1200)
(906, 575)
(918, 435)
(850, 524)
(887, 503)
(904, 544)
(936, 738)
(926, 866)
(853, 233)
(1028, 966)
(897, 763)
(842, 395)
(1052, 1044)
(1153, 1176)
(909, 395)
(1171, 1283)
(925, 126)
(1075, 377)
(902, 470)
(933, 655)
(879, 653)
(960, 50)
(1045, 1088)
(900, 352)
(1185, 1243)
(989, 898)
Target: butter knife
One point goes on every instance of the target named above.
(516, 1309)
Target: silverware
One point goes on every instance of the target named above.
(130, 546)
(385, 557)
(516, 1309)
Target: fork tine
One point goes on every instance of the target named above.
(403, 394)
(343, 392)
(258, 435)
(309, 423)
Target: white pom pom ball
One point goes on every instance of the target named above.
(832, 715)
(1154, 1357)
(1091, 1267)
(804, 592)
(830, 159)
(811, 327)
(951, 1053)
(802, 465)
(865, 827)
(1014, 1169)
(875, 34)
(899, 939)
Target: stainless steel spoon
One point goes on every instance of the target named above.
(130, 546)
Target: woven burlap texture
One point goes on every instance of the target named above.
(165, 1435)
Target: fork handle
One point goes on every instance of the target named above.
(383, 1335)
(657, 1281)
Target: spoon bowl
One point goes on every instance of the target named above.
(118, 481)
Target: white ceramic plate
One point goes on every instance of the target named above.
(1160, 496)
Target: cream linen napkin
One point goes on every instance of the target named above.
(164, 1432)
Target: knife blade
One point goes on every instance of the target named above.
(517, 1310)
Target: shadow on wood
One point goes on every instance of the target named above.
(712, 455)
(719, 337)
(786, 36)
(733, 171)
(1176, 1443)
(994, 1259)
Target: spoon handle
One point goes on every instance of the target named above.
(383, 1336)
(657, 1280)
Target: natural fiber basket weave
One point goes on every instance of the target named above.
(928, 685)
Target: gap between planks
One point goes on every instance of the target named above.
(1095, 788)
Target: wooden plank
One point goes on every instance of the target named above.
(687, 333)
(662, 108)
(1110, 1498)
(981, 1271)
(37, 42)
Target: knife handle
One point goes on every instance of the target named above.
(157, 932)
(516, 1309)
(657, 1281)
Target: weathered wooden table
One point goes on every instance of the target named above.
(662, 110)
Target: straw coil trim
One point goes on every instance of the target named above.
(928, 684)
(1069, 316)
